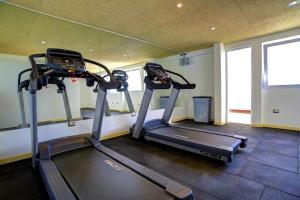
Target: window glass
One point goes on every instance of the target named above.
(134, 80)
(283, 63)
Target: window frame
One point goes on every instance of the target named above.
(265, 61)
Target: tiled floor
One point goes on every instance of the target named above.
(19, 181)
(267, 169)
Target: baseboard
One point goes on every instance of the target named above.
(178, 119)
(115, 110)
(114, 134)
(190, 118)
(121, 111)
(276, 126)
(62, 120)
(15, 158)
(219, 123)
(88, 108)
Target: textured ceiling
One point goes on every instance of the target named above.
(22, 31)
(157, 21)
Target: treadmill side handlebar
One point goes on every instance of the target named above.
(184, 86)
(151, 85)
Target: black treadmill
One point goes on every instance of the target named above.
(80, 167)
(61, 89)
(220, 146)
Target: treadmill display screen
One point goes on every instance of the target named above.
(120, 75)
(156, 72)
(65, 61)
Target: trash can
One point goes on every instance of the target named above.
(202, 109)
(163, 102)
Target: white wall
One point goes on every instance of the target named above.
(18, 142)
(287, 101)
(50, 104)
(200, 71)
(220, 83)
(265, 99)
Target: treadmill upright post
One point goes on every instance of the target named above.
(33, 121)
(22, 109)
(67, 108)
(142, 113)
(129, 101)
(107, 112)
(99, 113)
(170, 105)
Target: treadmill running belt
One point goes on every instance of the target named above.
(191, 137)
(93, 175)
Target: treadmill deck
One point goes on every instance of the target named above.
(93, 175)
(193, 138)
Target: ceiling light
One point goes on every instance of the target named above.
(43, 42)
(124, 55)
(91, 50)
(293, 3)
(213, 28)
(179, 5)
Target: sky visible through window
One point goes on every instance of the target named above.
(283, 64)
(134, 80)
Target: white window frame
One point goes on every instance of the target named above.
(265, 57)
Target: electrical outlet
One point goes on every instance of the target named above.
(275, 110)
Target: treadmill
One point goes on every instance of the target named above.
(220, 146)
(80, 167)
(121, 76)
(53, 80)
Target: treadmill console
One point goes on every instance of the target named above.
(156, 72)
(65, 61)
(120, 75)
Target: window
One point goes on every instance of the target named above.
(134, 80)
(282, 63)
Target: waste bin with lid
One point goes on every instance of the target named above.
(163, 101)
(202, 108)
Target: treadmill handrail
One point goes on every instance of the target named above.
(21, 73)
(101, 66)
(123, 85)
(186, 85)
(152, 85)
(38, 74)
(155, 72)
